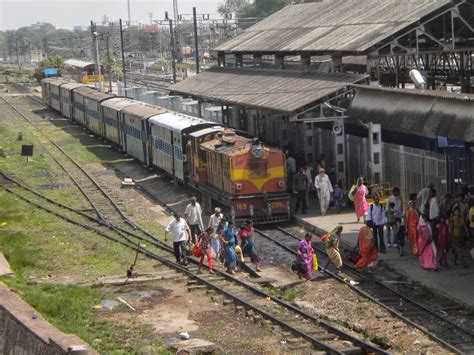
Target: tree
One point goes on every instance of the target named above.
(263, 8)
(229, 6)
(55, 61)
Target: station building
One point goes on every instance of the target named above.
(329, 81)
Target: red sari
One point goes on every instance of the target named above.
(412, 222)
(367, 248)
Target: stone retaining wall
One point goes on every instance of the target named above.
(23, 331)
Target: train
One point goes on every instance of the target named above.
(227, 169)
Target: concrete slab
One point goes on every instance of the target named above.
(5, 269)
(454, 281)
(194, 346)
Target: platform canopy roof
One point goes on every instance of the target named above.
(348, 27)
(420, 112)
(270, 89)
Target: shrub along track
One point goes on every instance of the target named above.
(107, 220)
(439, 325)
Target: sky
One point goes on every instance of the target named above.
(67, 13)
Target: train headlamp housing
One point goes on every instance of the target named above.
(257, 151)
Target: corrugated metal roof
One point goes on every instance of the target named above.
(142, 110)
(206, 131)
(177, 122)
(331, 25)
(425, 113)
(118, 103)
(275, 90)
(77, 63)
(71, 86)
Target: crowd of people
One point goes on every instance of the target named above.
(222, 240)
(433, 230)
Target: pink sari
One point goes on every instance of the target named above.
(306, 255)
(360, 202)
(427, 250)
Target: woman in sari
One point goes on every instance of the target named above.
(360, 200)
(305, 254)
(426, 246)
(411, 223)
(367, 247)
(248, 245)
(331, 242)
(228, 238)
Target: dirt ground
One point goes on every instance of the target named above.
(168, 309)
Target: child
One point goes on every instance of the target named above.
(400, 231)
(444, 241)
(338, 195)
(390, 215)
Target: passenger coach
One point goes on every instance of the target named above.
(236, 173)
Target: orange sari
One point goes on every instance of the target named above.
(367, 248)
(412, 221)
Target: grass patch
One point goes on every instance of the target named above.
(289, 294)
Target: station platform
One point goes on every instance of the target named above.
(453, 281)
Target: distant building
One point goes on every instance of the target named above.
(37, 55)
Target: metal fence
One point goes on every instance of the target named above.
(412, 169)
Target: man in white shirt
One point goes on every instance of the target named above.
(324, 187)
(433, 213)
(180, 234)
(193, 215)
(423, 198)
(397, 201)
(376, 215)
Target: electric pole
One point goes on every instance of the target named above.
(173, 51)
(196, 43)
(175, 12)
(129, 16)
(123, 55)
(108, 65)
(17, 54)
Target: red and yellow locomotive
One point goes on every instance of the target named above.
(249, 179)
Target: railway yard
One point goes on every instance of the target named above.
(70, 231)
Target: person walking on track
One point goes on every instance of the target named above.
(305, 254)
(331, 243)
(214, 222)
(193, 215)
(205, 243)
(367, 247)
(180, 235)
(324, 187)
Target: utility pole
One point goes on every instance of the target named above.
(175, 12)
(173, 51)
(96, 47)
(123, 55)
(129, 16)
(108, 65)
(196, 43)
(17, 54)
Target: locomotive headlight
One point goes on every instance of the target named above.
(238, 187)
(281, 184)
(257, 151)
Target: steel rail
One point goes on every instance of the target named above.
(364, 293)
(365, 347)
(401, 295)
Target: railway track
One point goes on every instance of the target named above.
(106, 219)
(405, 301)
